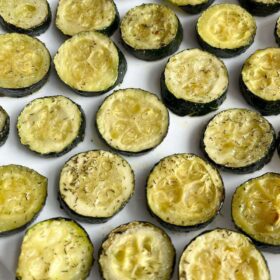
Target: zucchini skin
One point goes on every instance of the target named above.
(6, 129)
(259, 9)
(196, 9)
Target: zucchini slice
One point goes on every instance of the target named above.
(151, 32)
(277, 31)
(25, 64)
(90, 63)
(95, 185)
(137, 250)
(222, 254)
(4, 126)
(192, 6)
(51, 126)
(260, 81)
(132, 121)
(184, 192)
(226, 30)
(31, 17)
(73, 17)
(255, 210)
(194, 83)
(54, 249)
(261, 7)
(239, 140)
(23, 194)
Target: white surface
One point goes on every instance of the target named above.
(183, 136)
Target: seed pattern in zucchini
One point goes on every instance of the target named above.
(239, 140)
(261, 7)
(73, 16)
(24, 65)
(222, 254)
(192, 6)
(260, 81)
(138, 250)
(151, 31)
(4, 126)
(90, 63)
(226, 30)
(132, 121)
(194, 83)
(256, 210)
(51, 126)
(55, 249)
(184, 192)
(23, 193)
(95, 185)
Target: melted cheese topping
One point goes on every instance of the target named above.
(149, 26)
(237, 138)
(196, 76)
(256, 208)
(24, 61)
(49, 124)
(88, 61)
(184, 190)
(3, 119)
(260, 73)
(137, 251)
(22, 195)
(226, 26)
(132, 120)
(96, 183)
(187, 2)
(84, 15)
(55, 249)
(222, 255)
(25, 13)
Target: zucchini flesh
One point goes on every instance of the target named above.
(192, 6)
(222, 254)
(95, 185)
(277, 31)
(184, 191)
(55, 249)
(137, 250)
(23, 193)
(132, 121)
(4, 126)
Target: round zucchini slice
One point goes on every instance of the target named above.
(239, 140)
(4, 126)
(53, 249)
(25, 64)
(184, 192)
(95, 185)
(226, 30)
(138, 250)
(255, 210)
(31, 17)
(23, 194)
(261, 7)
(51, 126)
(192, 6)
(259, 81)
(132, 121)
(73, 17)
(90, 63)
(222, 254)
(151, 32)
(277, 31)
(194, 83)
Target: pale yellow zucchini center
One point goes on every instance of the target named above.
(3, 119)
(187, 2)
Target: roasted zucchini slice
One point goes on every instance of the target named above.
(132, 121)
(260, 81)
(4, 126)
(151, 31)
(261, 7)
(194, 83)
(226, 30)
(73, 16)
(277, 31)
(222, 254)
(25, 64)
(239, 140)
(54, 249)
(255, 210)
(95, 185)
(51, 126)
(192, 6)
(23, 193)
(90, 63)
(31, 17)
(138, 250)
(184, 192)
